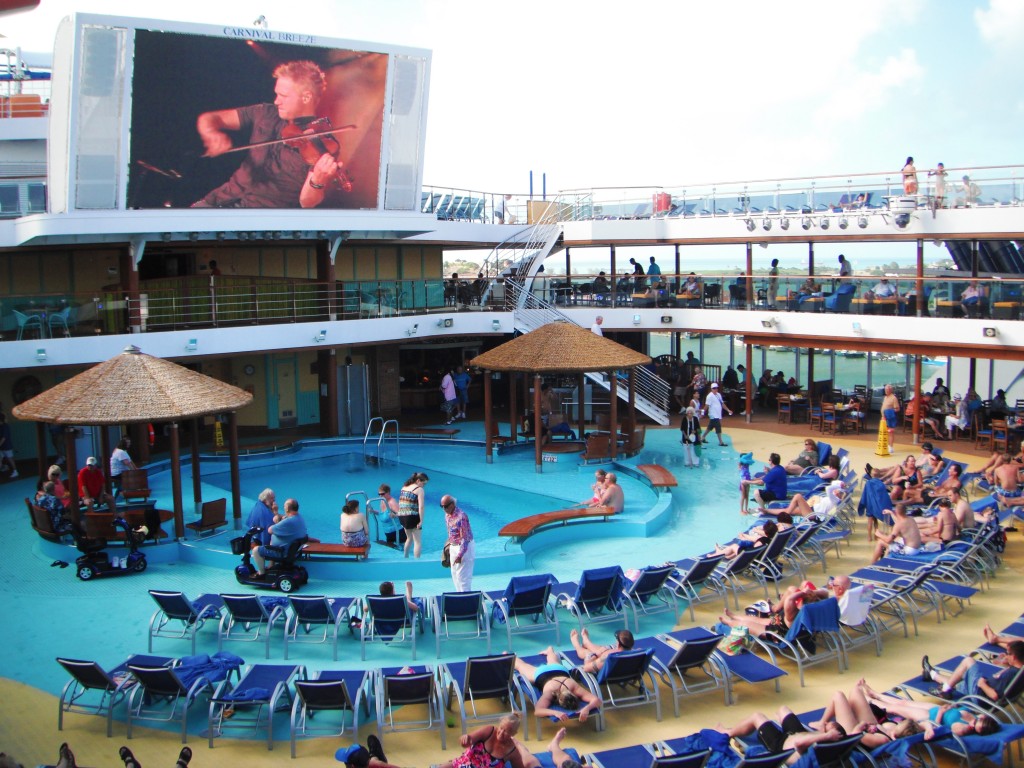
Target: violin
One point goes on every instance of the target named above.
(314, 139)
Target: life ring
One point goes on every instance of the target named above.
(152, 435)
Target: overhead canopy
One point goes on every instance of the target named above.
(131, 388)
(559, 348)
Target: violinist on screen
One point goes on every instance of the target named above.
(275, 175)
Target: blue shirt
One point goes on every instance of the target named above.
(261, 516)
(775, 481)
(292, 527)
(462, 381)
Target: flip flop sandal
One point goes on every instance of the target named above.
(184, 756)
(129, 759)
(63, 564)
(55, 563)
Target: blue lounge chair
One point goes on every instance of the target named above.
(688, 666)
(842, 299)
(177, 610)
(396, 687)
(252, 702)
(993, 747)
(89, 680)
(930, 589)
(525, 606)
(625, 680)
(694, 576)
(532, 694)
(480, 678)
(636, 755)
(815, 637)
(1004, 709)
(651, 593)
(328, 614)
(595, 598)
(389, 620)
(161, 695)
(745, 667)
(466, 608)
(344, 691)
(547, 761)
(250, 619)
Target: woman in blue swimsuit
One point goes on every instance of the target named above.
(960, 721)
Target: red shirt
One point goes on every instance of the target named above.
(90, 482)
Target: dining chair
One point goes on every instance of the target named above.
(28, 321)
(828, 417)
(785, 409)
(1000, 440)
(62, 320)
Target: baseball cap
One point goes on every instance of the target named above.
(714, 385)
(957, 396)
(91, 461)
(356, 756)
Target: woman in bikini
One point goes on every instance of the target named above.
(594, 656)
(490, 746)
(410, 511)
(782, 614)
(557, 689)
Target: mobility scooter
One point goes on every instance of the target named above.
(282, 574)
(96, 563)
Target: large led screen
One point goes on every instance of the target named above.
(244, 123)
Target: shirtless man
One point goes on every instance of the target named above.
(594, 656)
(1007, 477)
(611, 494)
(964, 514)
(788, 733)
(557, 688)
(943, 527)
(903, 539)
(997, 460)
(891, 414)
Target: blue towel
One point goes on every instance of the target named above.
(875, 500)
(247, 694)
(214, 669)
(270, 602)
(722, 755)
(816, 617)
(204, 609)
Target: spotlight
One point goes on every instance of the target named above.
(636, 319)
(320, 336)
(766, 223)
(414, 330)
(666, 319)
(260, 21)
(771, 322)
(901, 220)
(750, 225)
(784, 223)
(843, 222)
(166, 237)
(806, 222)
(496, 325)
(862, 222)
(192, 345)
(221, 235)
(243, 235)
(445, 322)
(41, 355)
(989, 333)
(824, 223)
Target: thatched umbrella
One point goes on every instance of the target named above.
(557, 347)
(136, 388)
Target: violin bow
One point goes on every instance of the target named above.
(304, 136)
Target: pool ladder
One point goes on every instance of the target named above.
(383, 433)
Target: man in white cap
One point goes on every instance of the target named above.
(959, 419)
(714, 404)
(91, 489)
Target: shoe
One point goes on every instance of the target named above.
(867, 470)
(184, 756)
(939, 693)
(129, 759)
(13, 475)
(927, 669)
(375, 748)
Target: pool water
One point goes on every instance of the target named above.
(320, 477)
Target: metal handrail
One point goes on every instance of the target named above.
(369, 425)
(398, 439)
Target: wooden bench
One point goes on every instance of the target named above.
(319, 549)
(135, 485)
(448, 432)
(525, 526)
(100, 525)
(658, 475)
(213, 514)
(41, 522)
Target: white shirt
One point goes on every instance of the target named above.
(884, 290)
(596, 328)
(714, 404)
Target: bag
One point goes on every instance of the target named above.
(446, 555)
(737, 641)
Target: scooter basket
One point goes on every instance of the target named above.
(238, 546)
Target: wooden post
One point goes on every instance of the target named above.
(72, 460)
(614, 412)
(236, 481)
(917, 394)
(104, 460)
(537, 426)
(179, 510)
(581, 382)
(513, 407)
(488, 417)
(41, 453)
(197, 480)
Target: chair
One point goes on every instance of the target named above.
(814, 416)
(329, 691)
(699, 573)
(712, 294)
(835, 753)
(466, 608)
(388, 619)
(245, 613)
(785, 408)
(480, 678)
(89, 679)
(625, 680)
(1000, 436)
(532, 693)
(737, 295)
(688, 665)
(63, 319)
(160, 695)
(642, 756)
(634, 442)
(597, 596)
(828, 417)
(135, 484)
(598, 448)
(315, 611)
(651, 593)
(212, 515)
(27, 322)
(842, 299)
(396, 688)
(191, 615)
(816, 624)
(525, 599)
(994, 746)
(856, 624)
(982, 434)
(252, 701)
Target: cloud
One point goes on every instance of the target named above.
(1001, 24)
(866, 91)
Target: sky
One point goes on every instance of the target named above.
(668, 93)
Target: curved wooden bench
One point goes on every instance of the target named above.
(525, 526)
(319, 549)
(658, 475)
(448, 432)
(100, 525)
